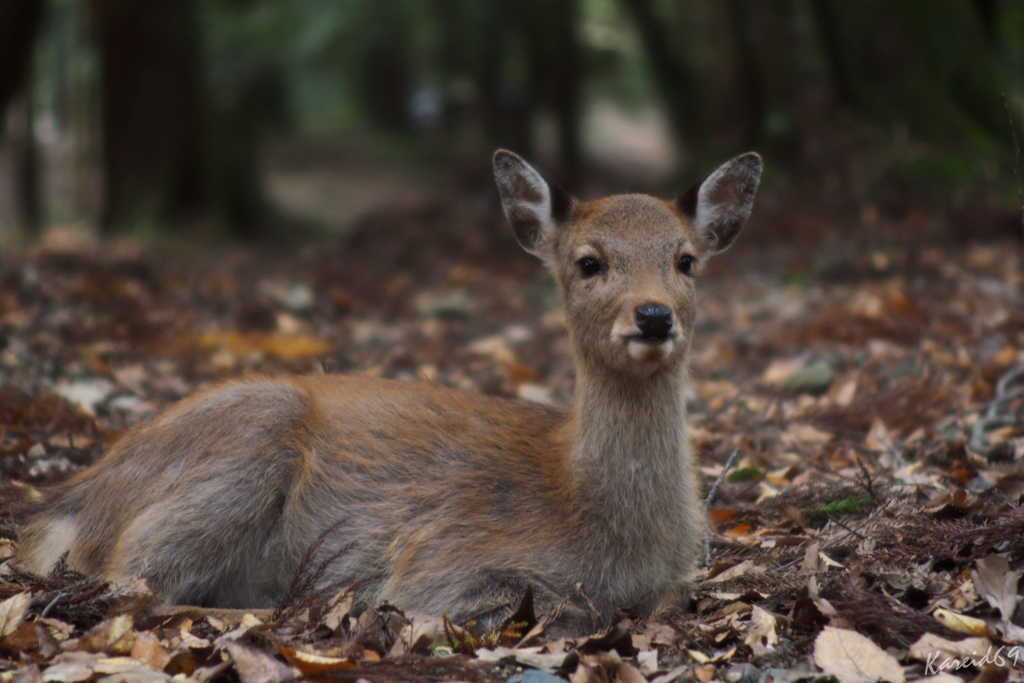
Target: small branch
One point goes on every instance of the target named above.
(1016, 161)
(53, 603)
(867, 478)
(706, 559)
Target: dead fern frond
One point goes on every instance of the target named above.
(306, 589)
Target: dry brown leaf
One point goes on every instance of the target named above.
(961, 623)
(113, 636)
(735, 572)
(994, 580)
(648, 661)
(12, 612)
(256, 666)
(68, 670)
(421, 626)
(779, 369)
(341, 605)
(705, 674)
(627, 673)
(761, 637)
(879, 438)
(22, 639)
(935, 649)
(310, 664)
(941, 678)
(271, 345)
(147, 649)
(811, 565)
(525, 656)
(672, 675)
(853, 658)
(806, 434)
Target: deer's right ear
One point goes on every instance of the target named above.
(533, 208)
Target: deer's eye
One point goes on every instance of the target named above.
(589, 266)
(685, 264)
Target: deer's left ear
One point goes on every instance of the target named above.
(719, 206)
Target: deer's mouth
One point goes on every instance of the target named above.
(652, 338)
(650, 348)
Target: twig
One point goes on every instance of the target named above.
(305, 587)
(706, 559)
(53, 603)
(867, 478)
(837, 522)
(1016, 160)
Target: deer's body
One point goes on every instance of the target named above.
(447, 501)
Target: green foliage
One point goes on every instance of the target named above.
(843, 506)
(745, 475)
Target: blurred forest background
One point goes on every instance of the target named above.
(255, 118)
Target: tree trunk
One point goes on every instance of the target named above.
(566, 74)
(750, 75)
(20, 23)
(153, 111)
(671, 73)
(25, 154)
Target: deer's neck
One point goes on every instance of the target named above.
(630, 463)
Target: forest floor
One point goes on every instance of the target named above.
(870, 528)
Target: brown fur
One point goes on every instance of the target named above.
(451, 502)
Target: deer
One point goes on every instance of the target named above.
(434, 499)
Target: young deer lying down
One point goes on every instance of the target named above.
(452, 502)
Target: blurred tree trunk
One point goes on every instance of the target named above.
(750, 75)
(926, 63)
(836, 53)
(25, 153)
(988, 15)
(564, 68)
(504, 110)
(20, 24)
(384, 79)
(671, 74)
(153, 111)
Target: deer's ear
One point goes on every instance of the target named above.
(720, 205)
(534, 208)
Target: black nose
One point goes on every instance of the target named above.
(654, 320)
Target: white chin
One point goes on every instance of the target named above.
(650, 352)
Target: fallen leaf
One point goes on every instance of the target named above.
(705, 674)
(761, 638)
(719, 515)
(648, 661)
(147, 649)
(67, 672)
(961, 623)
(993, 579)
(524, 656)
(271, 345)
(256, 666)
(853, 658)
(672, 675)
(341, 605)
(734, 572)
(806, 434)
(931, 647)
(778, 370)
(311, 664)
(12, 612)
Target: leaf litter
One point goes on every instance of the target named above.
(872, 519)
